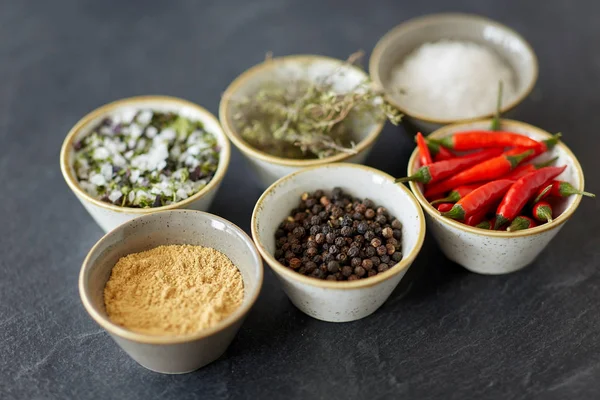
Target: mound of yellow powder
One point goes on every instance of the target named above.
(173, 290)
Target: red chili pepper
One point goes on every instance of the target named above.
(523, 170)
(487, 225)
(475, 219)
(522, 191)
(488, 170)
(445, 207)
(542, 211)
(457, 194)
(472, 140)
(442, 169)
(438, 152)
(479, 199)
(424, 154)
(560, 189)
(520, 223)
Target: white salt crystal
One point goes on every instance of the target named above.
(452, 80)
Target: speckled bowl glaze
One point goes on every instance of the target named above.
(171, 354)
(499, 252)
(344, 77)
(338, 301)
(406, 37)
(109, 216)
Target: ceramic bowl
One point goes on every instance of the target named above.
(403, 39)
(338, 301)
(109, 216)
(499, 252)
(344, 77)
(171, 354)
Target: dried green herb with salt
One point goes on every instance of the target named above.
(303, 119)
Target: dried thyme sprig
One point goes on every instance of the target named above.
(303, 119)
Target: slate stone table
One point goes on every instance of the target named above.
(534, 334)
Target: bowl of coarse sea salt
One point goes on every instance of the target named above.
(447, 68)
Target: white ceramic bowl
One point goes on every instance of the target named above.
(338, 301)
(499, 252)
(171, 354)
(283, 69)
(109, 216)
(406, 37)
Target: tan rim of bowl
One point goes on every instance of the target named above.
(388, 38)
(360, 283)
(124, 333)
(241, 144)
(561, 219)
(67, 147)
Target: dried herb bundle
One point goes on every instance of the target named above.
(304, 120)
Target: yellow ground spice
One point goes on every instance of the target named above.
(173, 290)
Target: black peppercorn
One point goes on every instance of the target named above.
(330, 237)
(381, 219)
(397, 234)
(347, 221)
(296, 248)
(311, 251)
(396, 224)
(279, 233)
(393, 242)
(383, 267)
(320, 238)
(359, 239)
(376, 261)
(317, 259)
(316, 209)
(286, 246)
(341, 258)
(278, 253)
(295, 263)
(370, 213)
(328, 257)
(376, 242)
(367, 264)
(391, 249)
(387, 233)
(397, 256)
(333, 267)
(381, 211)
(310, 266)
(369, 235)
(325, 229)
(347, 271)
(381, 250)
(360, 271)
(289, 255)
(362, 228)
(355, 262)
(360, 208)
(339, 241)
(358, 216)
(317, 273)
(370, 251)
(333, 249)
(353, 277)
(299, 231)
(368, 203)
(353, 251)
(331, 278)
(314, 230)
(336, 193)
(347, 231)
(371, 273)
(385, 258)
(302, 270)
(318, 194)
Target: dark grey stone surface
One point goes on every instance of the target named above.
(534, 334)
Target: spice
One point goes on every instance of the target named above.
(349, 239)
(144, 158)
(522, 191)
(525, 169)
(542, 211)
(457, 194)
(303, 119)
(442, 169)
(521, 222)
(475, 140)
(488, 170)
(424, 154)
(452, 80)
(560, 189)
(479, 200)
(173, 290)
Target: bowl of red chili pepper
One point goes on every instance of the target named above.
(495, 197)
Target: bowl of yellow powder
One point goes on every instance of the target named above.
(172, 288)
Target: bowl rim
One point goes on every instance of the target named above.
(390, 36)
(344, 285)
(242, 145)
(125, 333)
(139, 101)
(557, 222)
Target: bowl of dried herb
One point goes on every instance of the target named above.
(293, 112)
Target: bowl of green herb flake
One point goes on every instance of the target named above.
(293, 112)
(144, 154)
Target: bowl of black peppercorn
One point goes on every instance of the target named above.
(339, 237)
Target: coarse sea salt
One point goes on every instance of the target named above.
(452, 80)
